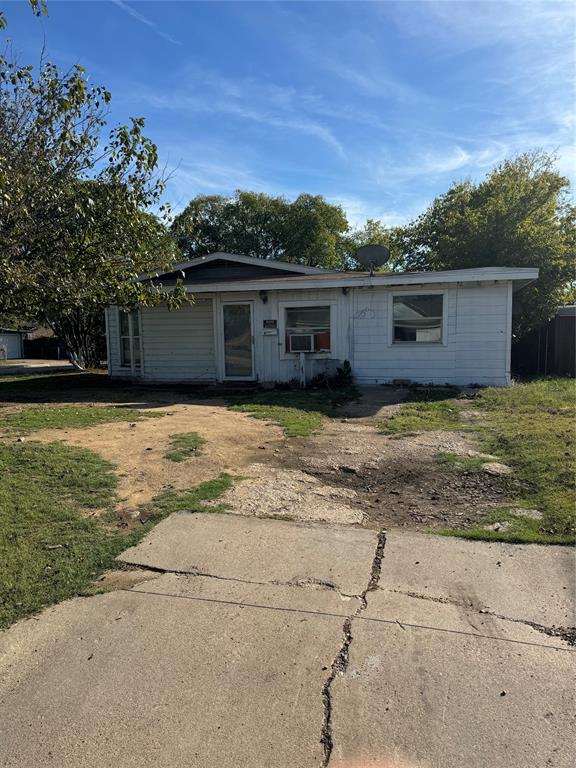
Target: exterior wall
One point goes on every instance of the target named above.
(12, 342)
(476, 338)
(176, 345)
(271, 363)
(186, 344)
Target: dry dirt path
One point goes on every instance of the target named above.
(351, 473)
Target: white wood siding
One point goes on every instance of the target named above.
(177, 345)
(475, 347)
(186, 344)
(113, 343)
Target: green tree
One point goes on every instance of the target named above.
(75, 222)
(38, 7)
(519, 216)
(374, 232)
(306, 231)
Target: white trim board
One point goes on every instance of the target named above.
(486, 275)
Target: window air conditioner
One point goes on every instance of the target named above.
(301, 342)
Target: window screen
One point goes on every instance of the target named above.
(308, 321)
(418, 318)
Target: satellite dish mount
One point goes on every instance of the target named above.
(372, 256)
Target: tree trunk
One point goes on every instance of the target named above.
(80, 331)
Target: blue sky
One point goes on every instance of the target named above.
(376, 106)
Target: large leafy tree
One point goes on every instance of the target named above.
(519, 216)
(75, 202)
(307, 231)
(374, 232)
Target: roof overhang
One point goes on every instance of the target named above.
(518, 276)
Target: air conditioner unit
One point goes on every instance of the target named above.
(301, 342)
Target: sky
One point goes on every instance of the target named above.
(378, 106)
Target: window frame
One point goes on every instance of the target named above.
(132, 365)
(418, 344)
(285, 353)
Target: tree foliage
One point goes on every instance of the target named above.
(38, 7)
(307, 231)
(374, 232)
(74, 227)
(519, 216)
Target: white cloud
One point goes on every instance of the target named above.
(254, 101)
(141, 18)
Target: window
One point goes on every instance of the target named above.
(418, 318)
(307, 329)
(130, 339)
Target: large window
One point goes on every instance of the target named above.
(418, 318)
(308, 329)
(129, 339)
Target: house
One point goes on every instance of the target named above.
(11, 344)
(268, 321)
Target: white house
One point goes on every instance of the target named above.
(258, 320)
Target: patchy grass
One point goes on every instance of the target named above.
(298, 412)
(50, 548)
(530, 427)
(68, 417)
(461, 463)
(522, 530)
(422, 416)
(185, 445)
(193, 499)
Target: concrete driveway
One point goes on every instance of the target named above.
(267, 644)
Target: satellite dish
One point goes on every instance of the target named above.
(372, 256)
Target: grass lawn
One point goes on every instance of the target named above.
(67, 417)
(184, 445)
(192, 500)
(530, 427)
(299, 412)
(420, 417)
(50, 549)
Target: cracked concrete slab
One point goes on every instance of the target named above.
(428, 699)
(449, 665)
(410, 610)
(259, 550)
(526, 582)
(180, 671)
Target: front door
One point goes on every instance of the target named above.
(238, 341)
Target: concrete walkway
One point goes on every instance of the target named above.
(260, 643)
(28, 365)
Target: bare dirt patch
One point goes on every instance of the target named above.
(396, 481)
(233, 440)
(266, 491)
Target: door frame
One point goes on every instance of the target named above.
(221, 345)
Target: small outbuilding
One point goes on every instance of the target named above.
(267, 321)
(11, 344)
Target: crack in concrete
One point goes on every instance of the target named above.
(568, 634)
(308, 581)
(340, 662)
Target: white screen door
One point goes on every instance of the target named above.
(238, 352)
